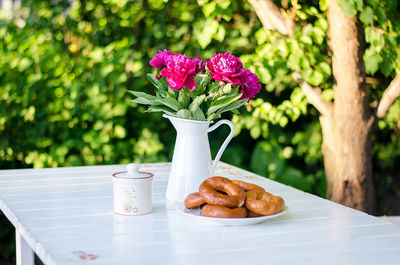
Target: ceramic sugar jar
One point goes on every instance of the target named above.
(132, 191)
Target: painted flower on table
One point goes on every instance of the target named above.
(226, 67)
(89, 257)
(85, 256)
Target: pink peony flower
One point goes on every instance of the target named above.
(226, 67)
(202, 65)
(251, 84)
(158, 61)
(180, 71)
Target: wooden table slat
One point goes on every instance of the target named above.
(65, 214)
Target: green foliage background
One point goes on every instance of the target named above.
(66, 66)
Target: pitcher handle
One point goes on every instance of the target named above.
(225, 143)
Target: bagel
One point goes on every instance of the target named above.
(251, 214)
(223, 212)
(222, 192)
(263, 203)
(247, 186)
(193, 200)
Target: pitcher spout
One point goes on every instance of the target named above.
(188, 125)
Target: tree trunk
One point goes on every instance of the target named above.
(271, 17)
(347, 130)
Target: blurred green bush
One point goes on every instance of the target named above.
(66, 66)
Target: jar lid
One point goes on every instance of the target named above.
(132, 172)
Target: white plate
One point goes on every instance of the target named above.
(195, 213)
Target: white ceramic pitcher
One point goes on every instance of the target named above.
(191, 162)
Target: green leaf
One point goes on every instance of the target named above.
(380, 14)
(24, 64)
(155, 82)
(171, 103)
(372, 59)
(306, 39)
(208, 9)
(360, 4)
(374, 37)
(215, 108)
(306, 74)
(160, 93)
(322, 23)
(144, 101)
(164, 83)
(373, 3)
(255, 132)
(183, 98)
(348, 6)
(220, 34)
(232, 106)
(143, 98)
(142, 95)
(318, 35)
(226, 89)
(283, 121)
(316, 78)
(172, 93)
(233, 92)
(224, 4)
(214, 87)
(225, 101)
(161, 109)
(197, 114)
(324, 68)
(386, 66)
(367, 15)
(261, 36)
(184, 114)
(197, 102)
(201, 80)
(209, 28)
(213, 117)
(226, 13)
(236, 111)
(324, 5)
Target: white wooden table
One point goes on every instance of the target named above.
(65, 216)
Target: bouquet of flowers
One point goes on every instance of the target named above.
(196, 89)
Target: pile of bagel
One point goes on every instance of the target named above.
(224, 198)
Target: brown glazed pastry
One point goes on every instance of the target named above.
(193, 200)
(222, 192)
(247, 186)
(223, 212)
(251, 214)
(263, 203)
